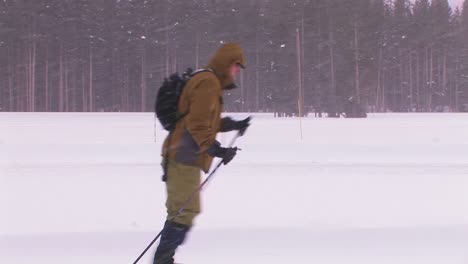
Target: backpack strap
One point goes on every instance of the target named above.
(191, 76)
(200, 71)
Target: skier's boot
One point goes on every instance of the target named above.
(172, 236)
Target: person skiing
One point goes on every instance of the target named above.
(191, 147)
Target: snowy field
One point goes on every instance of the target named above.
(86, 189)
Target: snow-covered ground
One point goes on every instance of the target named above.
(85, 188)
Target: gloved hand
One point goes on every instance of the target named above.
(229, 125)
(243, 125)
(226, 154)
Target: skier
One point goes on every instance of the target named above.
(191, 147)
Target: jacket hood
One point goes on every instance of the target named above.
(222, 60)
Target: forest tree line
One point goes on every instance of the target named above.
(303, 55)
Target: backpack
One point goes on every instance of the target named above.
(167, 99)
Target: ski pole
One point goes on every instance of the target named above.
(189, 200)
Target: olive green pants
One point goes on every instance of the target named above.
(182, 182)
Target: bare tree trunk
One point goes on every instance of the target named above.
(60, 89)
(378, 101)
(431, 79)
(411, 88)
(27, 73)
(332, 59)
(457, 69)
(318, 85)
(444, 73)
(33, 76)
(30, 76)
(46, 80)
(167, 52)
(11, 100)
(197, 51)
(3, 91)
(384, 101)
(143, 83)
(402, 78)
(66, 90)
(73, 87)
(127, 89)
(84, 103)
(24, 98)
(115, 82)
(124, 83)
(302, 60)
(122, 72)
(174, 59)
(90, 87)
(242, 91)
(17, 76)
(10, 80)
(3, 86)
(119, 76)
(17, 79)
(356, 60)
(437, 72)
(426, 79)
(418, 84)
(257, 75)
(299, 71)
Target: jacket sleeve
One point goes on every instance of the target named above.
(227, 124)
(199, 120)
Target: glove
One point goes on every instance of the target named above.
(229, 125)
(226, 154)
(243, 125)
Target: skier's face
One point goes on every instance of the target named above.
(234, 70)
